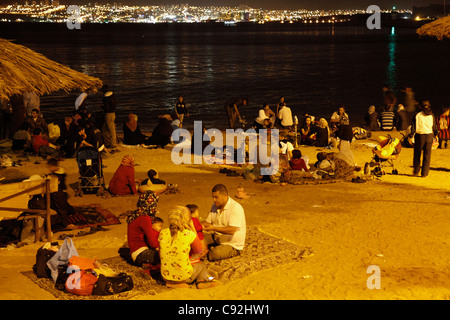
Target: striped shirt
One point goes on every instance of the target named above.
(387, 120)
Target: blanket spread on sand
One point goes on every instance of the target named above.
(262, 252)
(92, 215)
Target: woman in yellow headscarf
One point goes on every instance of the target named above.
(175, 243)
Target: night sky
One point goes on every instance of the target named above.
(269, 4)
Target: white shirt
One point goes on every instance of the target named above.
(424, 123)
(285, 116)
(286, 147)
(342, 120)
(261, 116)
(232, 215)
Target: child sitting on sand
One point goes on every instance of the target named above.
(297, 162)
(157, 224)
(152, 183)
(198, 227)
(153, 177)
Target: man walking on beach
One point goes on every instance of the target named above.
(232, 107)
(109, 126)
(227, 222)
(181, 110)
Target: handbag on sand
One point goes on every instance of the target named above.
(113, 285)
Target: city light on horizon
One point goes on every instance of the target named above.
(53, 11)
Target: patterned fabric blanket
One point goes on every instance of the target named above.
(262, 252)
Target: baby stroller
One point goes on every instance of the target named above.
(386, 151)
(91, 172)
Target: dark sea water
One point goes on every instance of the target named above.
(316, 68)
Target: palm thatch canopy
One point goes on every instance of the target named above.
(439, 28)
(22, 70)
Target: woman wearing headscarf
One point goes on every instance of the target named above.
(323, 137)
(176, 243)
(132, 134)
(123, 182)
(403, 119)
(162, 133)
(371, 119)
(142, 238)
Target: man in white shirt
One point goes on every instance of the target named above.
(266, 114)
(340, 117)
(285, 116)
(227, 222)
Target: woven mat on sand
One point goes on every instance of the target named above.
(262, 252)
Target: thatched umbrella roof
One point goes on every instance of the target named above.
(22, 70)
(439, 28)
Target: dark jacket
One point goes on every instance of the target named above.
(403, 120)
(372, 122)
(133, 137)
(321, 137)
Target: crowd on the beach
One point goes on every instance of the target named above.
(414, 120)
(24, 124)
(178, 251)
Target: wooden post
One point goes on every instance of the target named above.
(37, 231)
(47, 208)
(296, 138)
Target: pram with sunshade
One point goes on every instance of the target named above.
(91, 172)
(385, 153)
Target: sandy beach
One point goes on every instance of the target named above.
(398, 223)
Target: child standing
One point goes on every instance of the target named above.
(58, 199)
(444, 128)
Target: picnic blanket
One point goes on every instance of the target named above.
(262, 252)
(92, 215)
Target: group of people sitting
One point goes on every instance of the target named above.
(58, 140)
(177, 251)
(124, 182)
(83, 128)
(161, 134)
(311, 131)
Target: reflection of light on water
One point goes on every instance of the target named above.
(391, 70)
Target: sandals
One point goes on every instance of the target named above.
(208, 284)
(174, 285)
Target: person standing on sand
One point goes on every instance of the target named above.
(31, 101)
(181, 110)
(424, 128)
(280, 104)
(444, 128)
(109, 126)
(232, 107)
(226, 221)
